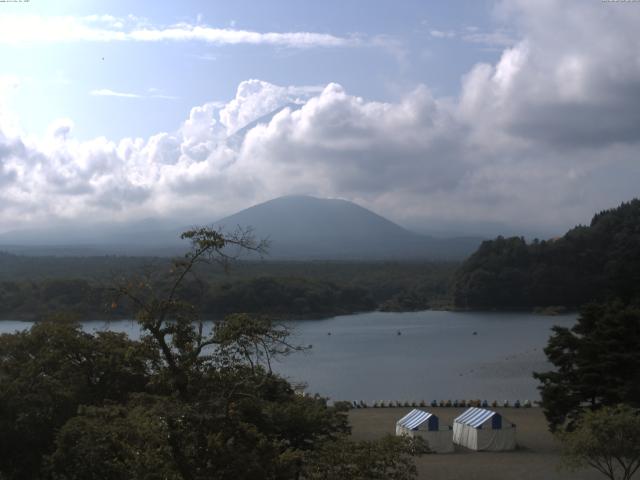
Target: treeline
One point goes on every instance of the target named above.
(29, 300)
(284, 297)
(589, 263)
(282, 289)
(267, 295)
(105, 267)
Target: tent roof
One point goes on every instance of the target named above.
(414, 419)
(474, 417)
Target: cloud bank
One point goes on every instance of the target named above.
(541, 139)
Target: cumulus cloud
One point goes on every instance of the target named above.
(255, 98)
(541, 139)
(573, 80)
(21, 29)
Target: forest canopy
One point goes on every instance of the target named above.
(588, 263)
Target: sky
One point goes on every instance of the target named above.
(474, 117)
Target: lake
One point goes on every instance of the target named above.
(410, 356)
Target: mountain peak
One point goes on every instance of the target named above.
(307, 227)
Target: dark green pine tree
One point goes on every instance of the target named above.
(597, 362)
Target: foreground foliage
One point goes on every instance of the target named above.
(181, 403)
(390, 458)
(607, 439)
(47, 373)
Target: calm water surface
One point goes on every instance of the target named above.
(410, 356)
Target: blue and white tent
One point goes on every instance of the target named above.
(426, 425)
(481, 429)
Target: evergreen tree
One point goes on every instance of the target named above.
(597, 362)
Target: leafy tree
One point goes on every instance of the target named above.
(172, 324)
(256, 340)
(597, 362)
(390, 458)
(46, 373)
(116, 442)
(217, 409)
(164, 437)
(607, 439)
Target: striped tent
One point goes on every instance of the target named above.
(426, 425)
(481, 429)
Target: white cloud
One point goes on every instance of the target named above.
(152, 93)
(105, 92)
(497, 38)
(255, 98)
(442, 34)
(228, 36)
(21, 29)
(541, 139)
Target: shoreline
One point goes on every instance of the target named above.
(543, 311)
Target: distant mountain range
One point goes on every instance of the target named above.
(298, 228)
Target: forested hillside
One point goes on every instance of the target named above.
(588, 263)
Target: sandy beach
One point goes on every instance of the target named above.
(537, 456)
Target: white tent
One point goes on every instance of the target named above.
(426, 425)
(480, 429)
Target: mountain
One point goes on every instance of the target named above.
(588, 263)
(303, 227)
(298, 227)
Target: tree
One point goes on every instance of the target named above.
(607, 439)
(46, 373)
(172, 324)
(597, 362)
(390, 458)
(116, 442)
(214, 407)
